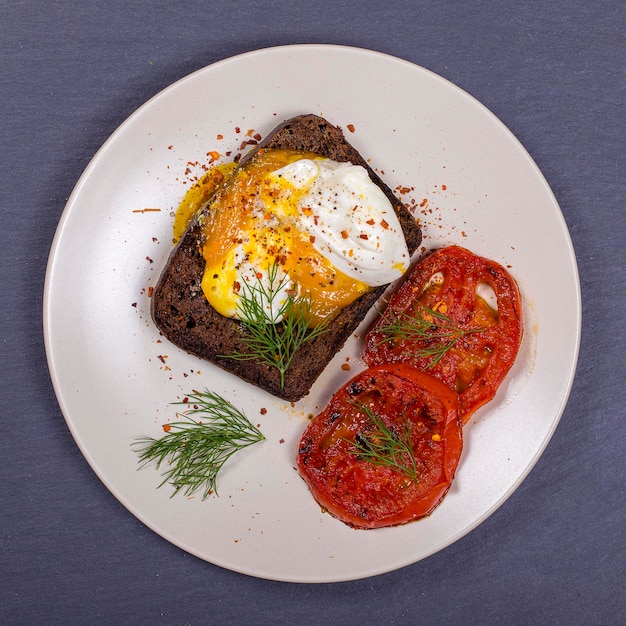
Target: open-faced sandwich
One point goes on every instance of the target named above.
(285, 259)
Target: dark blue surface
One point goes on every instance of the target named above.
(554, 72)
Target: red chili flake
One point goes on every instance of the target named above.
(384, 224)
(258, 137)
(263, 410)
(344, 234)
(370, 222)
(220, 136)
(444, 187)
(363, 236)
(213, 155)
(162, 357)
(149, 259)
(312, 238)
(150, 291)
(170, 147)
(166, 428)
(281, 441)
(237, 129)
(350, 127)
(345, 367)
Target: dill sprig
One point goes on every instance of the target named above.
(274, 338)
(437, 331)
(382, 446)
(197, 449)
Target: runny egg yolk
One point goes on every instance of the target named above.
(256, 221)
(198, 195)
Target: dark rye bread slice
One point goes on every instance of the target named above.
(184, 316)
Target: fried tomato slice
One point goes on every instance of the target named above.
(458, 316)
(385, 449)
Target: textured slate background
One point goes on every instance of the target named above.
(72, 71)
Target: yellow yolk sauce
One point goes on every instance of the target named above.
(198, 195)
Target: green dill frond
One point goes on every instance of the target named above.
(195, 450)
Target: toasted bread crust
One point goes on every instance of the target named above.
(184, 316)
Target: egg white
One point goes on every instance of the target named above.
(351, 220)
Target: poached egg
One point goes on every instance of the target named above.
(296, 224)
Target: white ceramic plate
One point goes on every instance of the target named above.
(115, 379)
